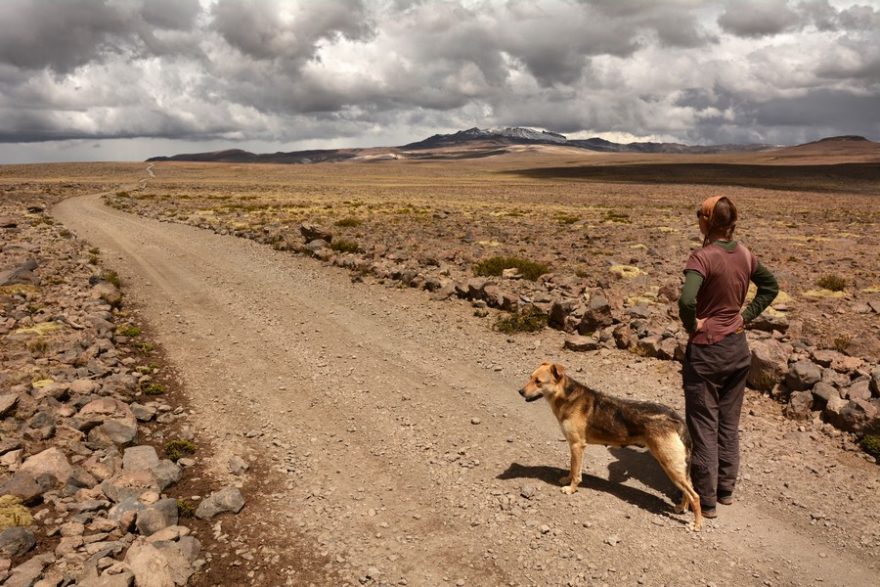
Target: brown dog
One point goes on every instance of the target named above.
(588, 416)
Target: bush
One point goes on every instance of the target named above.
(495, 265)
(185, 508)
(112, 277)
(348, 222)
(565, 219)
(841, 343)
(832, 282)
(154, 389)
(129, 330)
(344, 246)
(529, 320)
(178, 448)
(871, 445)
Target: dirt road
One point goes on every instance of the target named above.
(409, 458)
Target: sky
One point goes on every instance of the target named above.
(87, 80)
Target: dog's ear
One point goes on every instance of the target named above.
(557, 370)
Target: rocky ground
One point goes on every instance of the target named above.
(612, 261)
(95, 439)
(383, 438)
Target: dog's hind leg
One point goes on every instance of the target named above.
(671, 453)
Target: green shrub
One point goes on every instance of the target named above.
(178, 448)
(495, 265)
(530, 319)
(112, 277)
(155, 389)
(832, 282)
(185, 508)
(344, 246)
(129, 330)
(348, 222)
(871, 445)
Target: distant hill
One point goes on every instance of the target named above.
(475, 142)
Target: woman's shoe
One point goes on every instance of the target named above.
(725, 497)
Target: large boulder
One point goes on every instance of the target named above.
(857, 416)
(803, 375)
(875, 382)
(769, 363)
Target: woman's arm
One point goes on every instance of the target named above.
(687, 303)
(768, 289)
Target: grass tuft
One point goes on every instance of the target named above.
(155, 389)
(348, 222)
(495, 265)
(178, 448)
(871, 445)
(832, 282)
(128, 330)
(530, 319)
(345, 246)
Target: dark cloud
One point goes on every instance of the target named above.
(394, 70)
(758, 18)
(58, 34)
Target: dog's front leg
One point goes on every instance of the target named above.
(573, 479)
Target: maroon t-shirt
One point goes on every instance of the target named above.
(726, 276)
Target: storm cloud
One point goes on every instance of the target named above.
(369, 72)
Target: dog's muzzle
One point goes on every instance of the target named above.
(522, 392)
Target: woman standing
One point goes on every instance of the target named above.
(718, 359)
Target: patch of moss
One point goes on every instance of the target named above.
(178, 448)
(531, 319)
(494, 266)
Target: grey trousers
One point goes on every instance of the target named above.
(714, 379)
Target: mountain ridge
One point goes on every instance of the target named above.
(476, 142)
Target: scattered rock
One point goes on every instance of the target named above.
(15, 542)
(313, 232)
(237, 465)
(158, 516)
(149, 567)
(228, 499)
(769, 364)
(803, 375)
(800, 405)
(597, 315)
(578, 343)
(8, 402)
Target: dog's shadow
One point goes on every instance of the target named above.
(629, 464)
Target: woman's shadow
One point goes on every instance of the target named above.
(630, 464)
